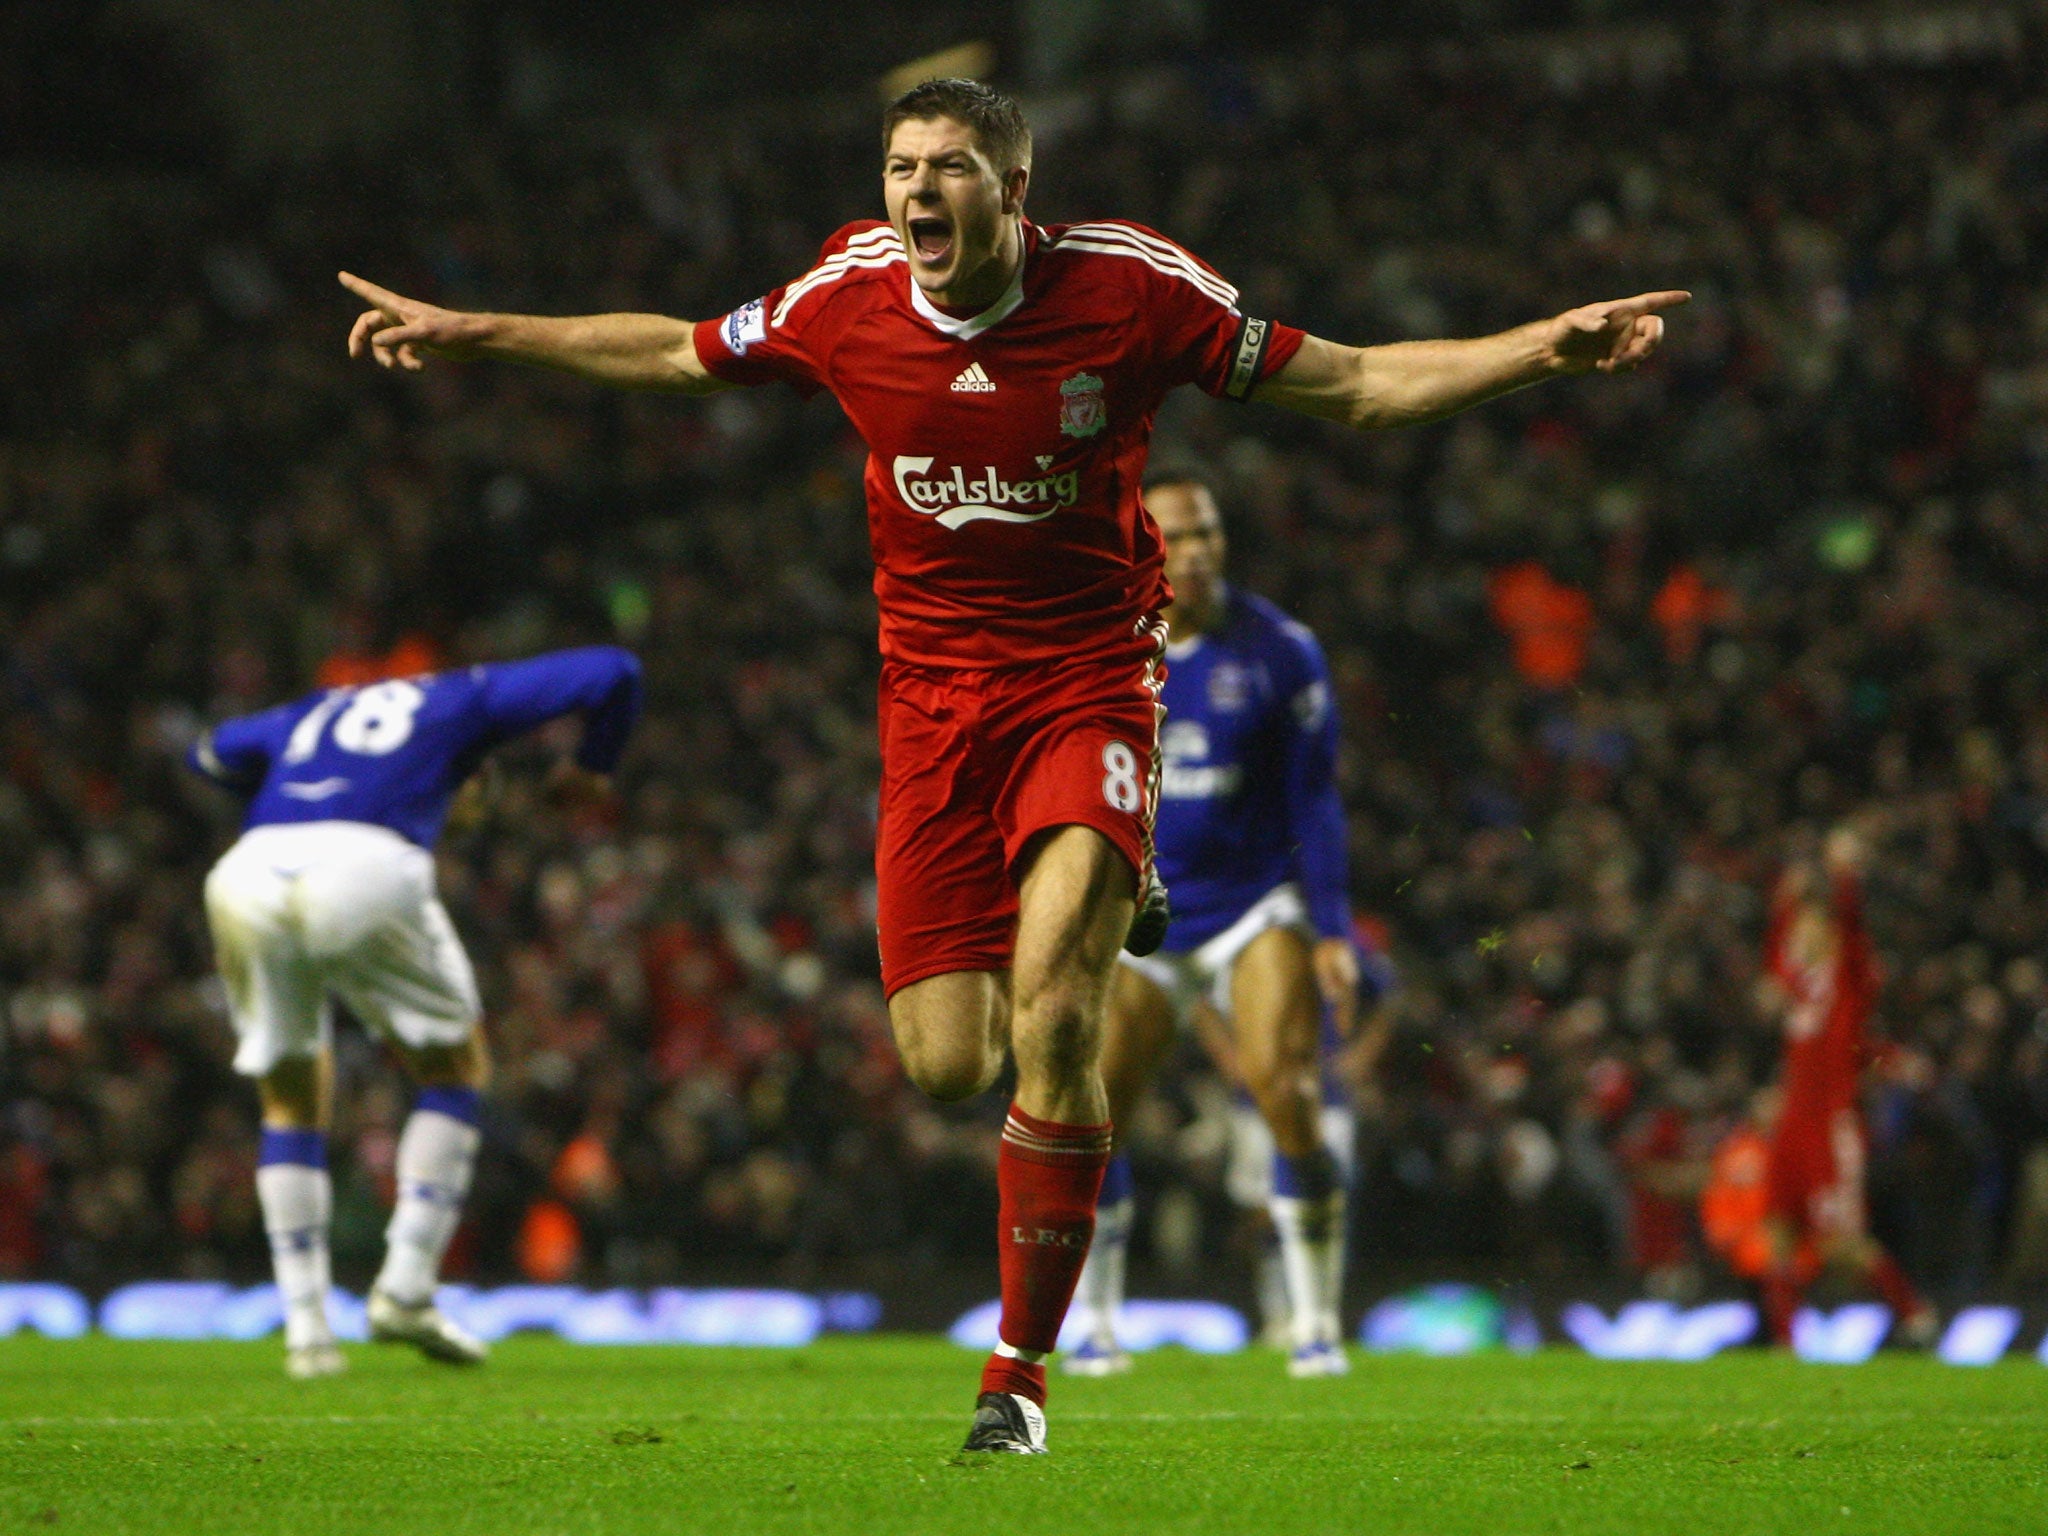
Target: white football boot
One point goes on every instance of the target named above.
(1325, 1356)
(309, 1362)
(1007, 1424)
(424, 1327)
(1097, 1355)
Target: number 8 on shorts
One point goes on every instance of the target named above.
(1120, 778)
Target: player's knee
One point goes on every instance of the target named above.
(473, 1069)
(952, 1081)
(950, 1032)
(1278, 1077)
(464, 1065)
(1267, 1086)
(949, 1068)
(290, 1094)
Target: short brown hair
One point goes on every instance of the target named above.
(996, 121)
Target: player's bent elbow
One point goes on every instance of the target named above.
(696, 384)
(680, 370)
(1379, 403)
(1396, 387)
(1369, 406)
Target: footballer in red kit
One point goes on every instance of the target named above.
(1005, 451)
(1005, 455)
(1004, 377)
(1821, 974)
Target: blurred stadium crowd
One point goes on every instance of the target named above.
(1599, 649)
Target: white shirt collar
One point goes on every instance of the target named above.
(973, 325)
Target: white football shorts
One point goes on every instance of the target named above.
(307, 912)
(1186, 978)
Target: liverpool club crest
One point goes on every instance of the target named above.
(1081, 409)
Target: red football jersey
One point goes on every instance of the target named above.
(1005, 450)
(1831, 997)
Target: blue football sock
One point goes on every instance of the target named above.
(297, 1198)
(1304, 1178)
(1117, 1183)
(308, 1148)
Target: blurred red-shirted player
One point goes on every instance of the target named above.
(1004, 376)
(1735, 1206)
(1820, 971)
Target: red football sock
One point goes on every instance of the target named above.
(1047, 1177)
(1891, 1283)
(1781, 1299)
(1021, 1378)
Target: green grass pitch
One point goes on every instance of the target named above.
(858, 1435)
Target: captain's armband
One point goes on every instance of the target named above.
(1248, 358)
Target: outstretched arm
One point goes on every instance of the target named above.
(600, 682)
(1409, 382)
(631, 351)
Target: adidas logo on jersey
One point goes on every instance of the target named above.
(973, 381)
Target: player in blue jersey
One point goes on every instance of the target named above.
(1250, 840)
(329, 892)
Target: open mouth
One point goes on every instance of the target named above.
(931, 238)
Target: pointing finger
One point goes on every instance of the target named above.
(369, 292)
(1648, 303)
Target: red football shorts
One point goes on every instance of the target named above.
(974, 764)
(1816, 1174)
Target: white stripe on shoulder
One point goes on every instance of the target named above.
(867, 244)
(1157, 242)
(1167, 252)
(1224, 295)
(875, 240)
(1146, 237)
(871, 239)
(875, 253)
(1117, 240)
